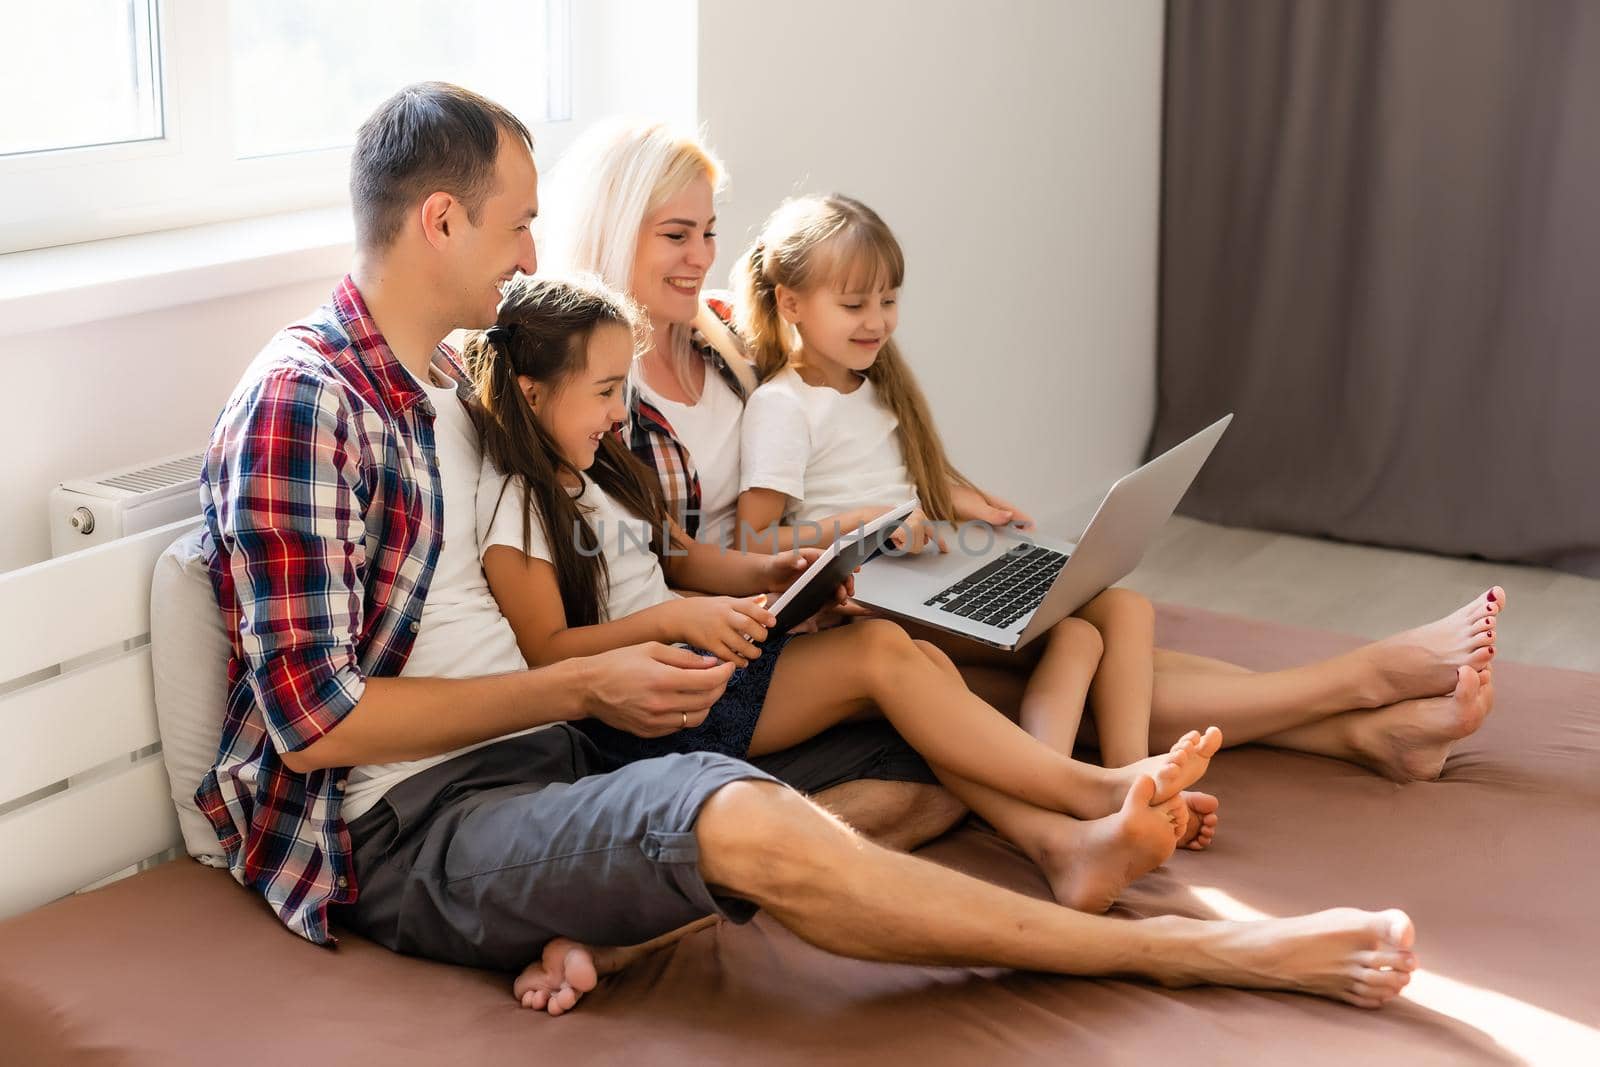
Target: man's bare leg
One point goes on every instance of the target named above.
(766, 844)
(895, 815)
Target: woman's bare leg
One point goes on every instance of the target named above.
(1251, 706)
(826, 678)
(1345, 707)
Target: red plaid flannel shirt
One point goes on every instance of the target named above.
(649, 435)
(324, 520)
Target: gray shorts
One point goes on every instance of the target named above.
(483, 859)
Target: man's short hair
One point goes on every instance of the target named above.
(427, 138)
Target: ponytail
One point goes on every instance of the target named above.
(542, 332)
(764, 332)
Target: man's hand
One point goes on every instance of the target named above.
(652, 690)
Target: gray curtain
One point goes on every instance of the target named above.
(1381, 248)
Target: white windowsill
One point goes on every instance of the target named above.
(48, 288)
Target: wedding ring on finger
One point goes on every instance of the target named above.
(685, 725)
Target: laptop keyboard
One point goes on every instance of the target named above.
(1003, 590)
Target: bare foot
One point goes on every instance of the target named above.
(1422, 662)
(1172, 771)
(1202, 826)
(567, 969)
(1409, 741)
(1095, 861)
(1360, 957)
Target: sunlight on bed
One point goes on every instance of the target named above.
(1524, 1029)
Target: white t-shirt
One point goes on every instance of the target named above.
(636, 578)
(709, 430)
(825, 450)
(461, 633)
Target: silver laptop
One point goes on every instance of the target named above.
(1006, 588)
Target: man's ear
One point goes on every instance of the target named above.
(438, 212)
(788, 304)
(532, 391)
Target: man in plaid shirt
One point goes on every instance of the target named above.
(388, 759)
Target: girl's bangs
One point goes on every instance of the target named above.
(859, 261)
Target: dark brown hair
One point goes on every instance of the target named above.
(427, 138)
(543, 332)
(837, 241)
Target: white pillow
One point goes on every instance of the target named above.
(189, 654)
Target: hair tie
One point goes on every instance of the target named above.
(500, 336)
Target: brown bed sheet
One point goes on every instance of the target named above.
(1494, 862)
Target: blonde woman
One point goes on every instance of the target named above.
(635, 203)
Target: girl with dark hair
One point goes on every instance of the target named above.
(578, 553)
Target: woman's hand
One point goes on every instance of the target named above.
(730, 628)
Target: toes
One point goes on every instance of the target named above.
(1398, 929)
(1210, 742)
(1387, 960)
(1377, 983)
(580, 971)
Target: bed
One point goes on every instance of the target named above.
(177, 964)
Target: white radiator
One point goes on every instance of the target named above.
(129, 500)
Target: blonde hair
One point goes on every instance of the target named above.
(812, 241)
(598, 197)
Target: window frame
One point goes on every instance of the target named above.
(189, 176)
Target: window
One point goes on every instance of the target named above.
(90, 75)
(123, 116)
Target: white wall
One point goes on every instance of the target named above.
(104, 394)
(1015, 149)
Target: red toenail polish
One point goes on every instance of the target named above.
(1491, 598)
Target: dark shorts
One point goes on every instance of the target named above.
(483, 859)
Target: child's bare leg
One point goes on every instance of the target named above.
(825, 678)
(1059, 685)
(1123, 687)
(1043, 687)
(1123, 691)
(1088, 864)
